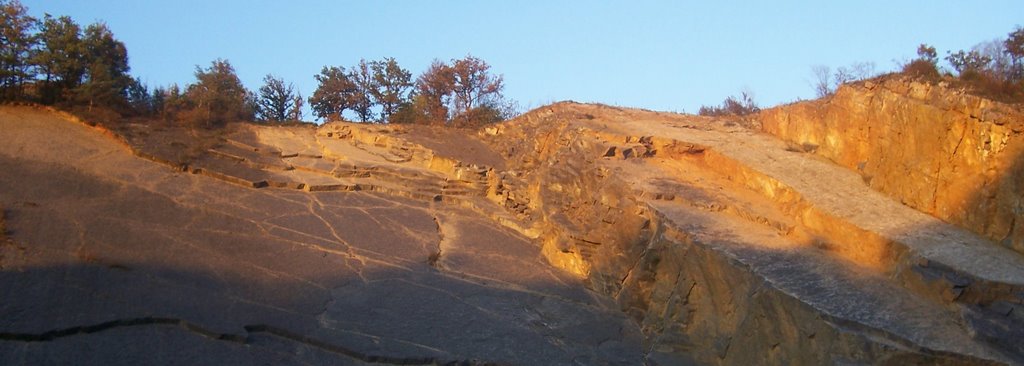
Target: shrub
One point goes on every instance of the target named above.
(922, 69)
(732, 106)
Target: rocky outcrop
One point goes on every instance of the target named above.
(942, 151)
(575, 234)
(120, 260)
(728, 248)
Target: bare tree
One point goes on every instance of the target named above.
(822, 80)
(296, 114)
(854, 72)
(1000, 65)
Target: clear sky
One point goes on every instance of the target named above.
(661, 55)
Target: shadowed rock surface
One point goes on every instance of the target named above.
(575, 234)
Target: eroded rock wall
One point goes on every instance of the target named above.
(701, 292)
(941, 151)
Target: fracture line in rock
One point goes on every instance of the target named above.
(244, 339)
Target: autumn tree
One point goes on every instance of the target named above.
(60, 58)
(362, 96)
(464, 93)
(275, 100)
(106, 70)
(434, 89)
(16, 43)
(334, 94)
(473, 84)
(218, 96)
(391, 85)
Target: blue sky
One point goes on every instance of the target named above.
(661, 55)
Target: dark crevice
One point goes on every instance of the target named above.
(244, 339)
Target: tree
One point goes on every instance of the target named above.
(333, 95)
(296, 114)
(463, 94)
(391, 86)
(60, 58)
(474, 84)
(168, 102)
(1014, 46)
(275, 101)
(1000, 64)
(139, 98)
(107, 79)
(971, 62)
(825, 82)
(16, 43)
(822, 80)
(158, 102)
(434, 89)
(927, 53)
(362, 97)
(856, 71)
(925, 65)
(218, 96)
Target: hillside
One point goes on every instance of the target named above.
(574, 234)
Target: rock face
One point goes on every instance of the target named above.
(946, 153)
(729, 248)
(265, 249)
(575, 234)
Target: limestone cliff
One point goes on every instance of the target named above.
(942, 151)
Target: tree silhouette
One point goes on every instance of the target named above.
(275, 100)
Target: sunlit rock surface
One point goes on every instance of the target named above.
(950, 154)
(575, 234)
